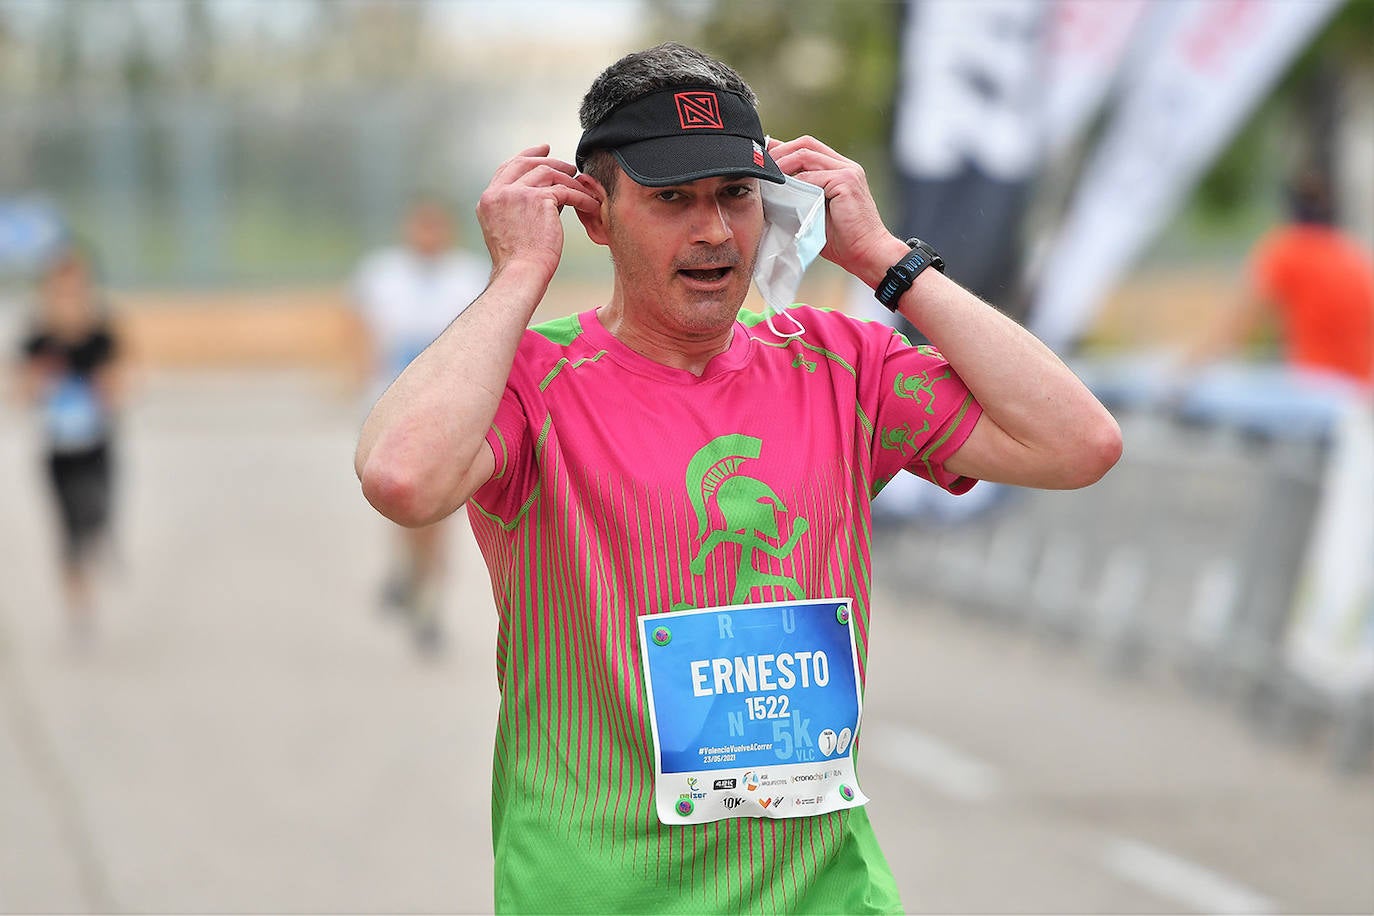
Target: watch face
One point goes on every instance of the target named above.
(901, 275)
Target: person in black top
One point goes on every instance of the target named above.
(70, 371)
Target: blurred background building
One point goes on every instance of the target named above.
(1101, 169)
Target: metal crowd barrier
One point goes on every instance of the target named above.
(1182, 562)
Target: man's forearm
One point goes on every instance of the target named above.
(1043, 427)
(418, 450)
(422, 452)
(1018, 380)
(1066, 437)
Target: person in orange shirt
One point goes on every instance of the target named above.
(1318, 283)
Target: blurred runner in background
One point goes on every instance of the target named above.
(406, 295)
(70, 370)
(1317, 283)
(1313, 286)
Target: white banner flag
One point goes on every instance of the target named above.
(969, 74)
(1212, 62)
(1085, 46)
(966, 135)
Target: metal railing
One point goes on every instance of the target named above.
(1183, 562)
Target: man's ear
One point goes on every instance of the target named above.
(595, 223)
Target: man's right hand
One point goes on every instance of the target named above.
(519, 210)
(422, 451)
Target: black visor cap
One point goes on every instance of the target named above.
(683, 134)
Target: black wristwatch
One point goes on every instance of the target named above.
(901, 275)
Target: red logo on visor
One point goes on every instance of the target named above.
(698, 109)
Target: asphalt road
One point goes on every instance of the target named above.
(248, 733)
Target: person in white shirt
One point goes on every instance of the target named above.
(406, 294)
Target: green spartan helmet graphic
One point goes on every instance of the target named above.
(749, 507)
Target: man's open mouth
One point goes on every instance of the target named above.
(706, 274)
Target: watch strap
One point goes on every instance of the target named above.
(901, 275)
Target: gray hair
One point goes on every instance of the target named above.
(660, 67)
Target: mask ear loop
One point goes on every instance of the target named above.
(768, 314)
(817, 208)
(769, 311)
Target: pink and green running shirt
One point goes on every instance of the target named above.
(609, 483)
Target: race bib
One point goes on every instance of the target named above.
(754, 710)
(75, 416)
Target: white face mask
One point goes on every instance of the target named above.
(793, 234)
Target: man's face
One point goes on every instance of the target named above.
(427, 229)
(684, 255)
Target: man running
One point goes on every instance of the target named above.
(642, 467)
(405, 296)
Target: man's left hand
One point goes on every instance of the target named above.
(855, 237)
